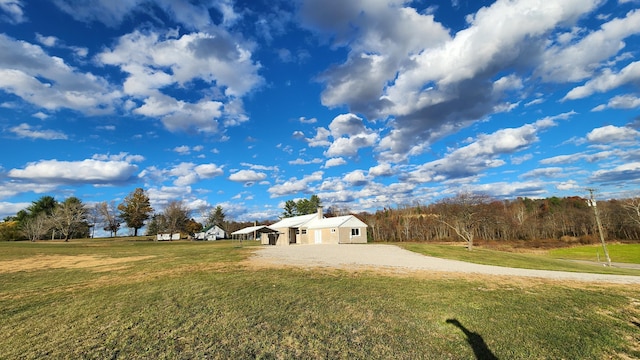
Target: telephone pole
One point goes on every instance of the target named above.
(592, 203)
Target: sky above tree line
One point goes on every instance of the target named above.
(366, 103)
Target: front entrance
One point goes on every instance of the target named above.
(318, 237)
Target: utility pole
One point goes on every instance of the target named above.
(592, 203)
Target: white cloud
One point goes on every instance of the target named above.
(26, 131)
(606, 81)
(154, 62)
(626, 101)
(349, 134)
(182, 150)
(304, 120)
(12, 12)
(356, 178)
(383, 169)
(122, 156)
(613, 134)
(188, 173)
(549, 172)
(207, 171)
(48, 82)
(305, 162)
(247, 176)
(482, 154)
(626, 173)
(10, 209)
(87, 171)
(334, 162)
(578, 61)
(321, 138)
(294, 186)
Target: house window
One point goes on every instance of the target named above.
(304, 232)
(355, 232)
(333, 231)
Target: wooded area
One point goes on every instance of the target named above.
(569, 219)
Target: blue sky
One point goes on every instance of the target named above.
(366, 103)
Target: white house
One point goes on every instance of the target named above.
(316, 229)
(211, 233)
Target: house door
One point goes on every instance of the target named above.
(318, 237)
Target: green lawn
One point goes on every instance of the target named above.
(550, 260)
(185, 300)
(624, 253)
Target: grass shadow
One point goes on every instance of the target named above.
(479, 347)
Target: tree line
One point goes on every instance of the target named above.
(465, 217)
(472, 216)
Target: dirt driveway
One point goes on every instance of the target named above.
(394, 258)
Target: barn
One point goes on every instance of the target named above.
(317, 229)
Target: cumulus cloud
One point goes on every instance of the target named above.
(10, 209)
(334, 162)
(187, 173)
(613, 134)
(356, 178)
(383, 169)
(481, 154)
(606, 81)
(349, 135)
(155, 61)
(27, 131)
(562, 63)
(429, 80)
(626, 101)
(247, 176)
(28, 72)
(87, 171)
(294, 186)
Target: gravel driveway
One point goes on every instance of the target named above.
(394, 258)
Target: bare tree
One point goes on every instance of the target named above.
(176, 215)
(462, 214)
(109, 214)
(36, 226)
(69, 216)
(632, 206)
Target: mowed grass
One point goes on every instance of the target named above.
(185, 300)
(624, 253)
(541, 260)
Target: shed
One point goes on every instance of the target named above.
(254, 233)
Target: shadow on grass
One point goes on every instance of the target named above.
(480, 348)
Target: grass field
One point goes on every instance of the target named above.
(541, 260)
(101, 299)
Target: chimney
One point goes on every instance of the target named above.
(320, 213)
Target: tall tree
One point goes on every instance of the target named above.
(135, 209)
(110, 217)
(290, 209)
(176, 216)
(463, 213)
(216, 217)
(69, 217)
(45, 204)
